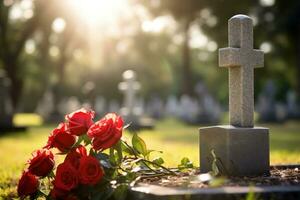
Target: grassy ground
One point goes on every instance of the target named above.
(175, 139)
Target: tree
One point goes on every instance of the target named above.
(283, 22)
(13, 36)
(185, 12)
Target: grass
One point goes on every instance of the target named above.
(175, 139)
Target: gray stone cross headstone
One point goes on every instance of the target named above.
(130, 86)
(241, 59)
(241, 149)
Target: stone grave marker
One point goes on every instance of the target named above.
(113, 106)
(132, 110)
(240, 148)
(172, 107)
(267, 104)
(129, 87)
(209, 109)
(293, 109)
(189, 109)
(155, 107)
(100, 105)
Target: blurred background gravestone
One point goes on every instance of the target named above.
(132, 109)
(268, 108)
(293, 108)
(209, 109)
(155, 107)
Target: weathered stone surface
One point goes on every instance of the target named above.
(154, 192)
(241, 59)
(240, 151)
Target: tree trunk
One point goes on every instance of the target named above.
(186, 61)
(297, 48)
(16, 83)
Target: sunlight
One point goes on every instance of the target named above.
(98, 12)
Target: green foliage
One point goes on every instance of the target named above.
(214, 167)
(158, 161)
(185, 163)
(139, 145)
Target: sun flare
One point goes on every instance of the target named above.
(98, 12)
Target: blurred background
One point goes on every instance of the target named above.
(58, 55)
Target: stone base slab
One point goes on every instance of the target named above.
(239, 151)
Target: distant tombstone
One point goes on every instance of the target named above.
(113, 106)
(209, 108)
(100, 105)
(189, 109)
(267, 104)
(6, 111)
(140, 106)
(155, 107)
(280, 112)
(71, 104)
(172, 107)
(132, 109)
(89, 91)
(293, 109)
(130, 87)
(46, 105)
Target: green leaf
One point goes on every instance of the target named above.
(120, 192)
(126, 149)
(118, 148)
(214, 166)
(185, 163)
(158, 161)
(79, 140)
(86, 140)
(139, 145)
(51, 174)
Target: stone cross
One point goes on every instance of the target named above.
(241, 59)
(130, 86)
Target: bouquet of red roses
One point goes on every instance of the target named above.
(89, 170)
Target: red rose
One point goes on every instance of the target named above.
(90, 170)
(28, 184)
(80, 121)
(74, 156)
(61, 139)
(57, 193)
(66, 177)
(106, 132)
(41, 163)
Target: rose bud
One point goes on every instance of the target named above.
(61, 139)
(41, 163)
(106, 132)
(79, 121)
(90, 170)
(66, 177)
(73, 157)
(28, 184)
